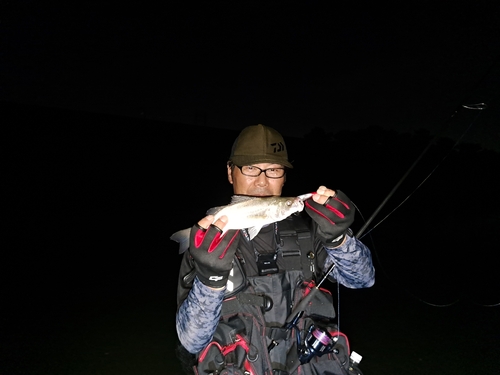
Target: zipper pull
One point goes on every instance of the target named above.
(311, 256)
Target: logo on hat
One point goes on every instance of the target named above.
(280, 146)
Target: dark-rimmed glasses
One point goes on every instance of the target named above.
(253, 171)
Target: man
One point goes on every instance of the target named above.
(238, 298)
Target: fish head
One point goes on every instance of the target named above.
(291, 205)
(298, 204)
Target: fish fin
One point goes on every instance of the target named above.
(182, 237)
(234, 200)
(240, 198)
(214, 210)
(253, 231)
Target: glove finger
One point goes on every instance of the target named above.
(328, 213)
(213, 240)
(206, 236)
(222, 244)
(198, 234)
(339, 204)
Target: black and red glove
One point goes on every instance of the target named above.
(334, 217)
(213, 253)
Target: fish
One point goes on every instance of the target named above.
(304, 197)
(250, 213)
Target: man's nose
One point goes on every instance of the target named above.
(262, 180)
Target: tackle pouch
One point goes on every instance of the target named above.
(320, 347)
(227, 358)
(322, 350)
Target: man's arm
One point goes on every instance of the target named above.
(199, 306)
(353, 264)
(198, 316)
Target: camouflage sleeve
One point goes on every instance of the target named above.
(198, 316)
(353, 264)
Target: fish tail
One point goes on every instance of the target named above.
(182, 237)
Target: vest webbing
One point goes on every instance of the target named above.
(297, 251)
(296, 247)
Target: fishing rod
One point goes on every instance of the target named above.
(391, 193)
(300, 307)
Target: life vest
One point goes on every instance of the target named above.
(256, 334)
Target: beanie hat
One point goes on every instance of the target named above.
(259, 144)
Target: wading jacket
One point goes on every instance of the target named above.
(247, 328)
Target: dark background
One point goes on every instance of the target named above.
(298, 65)
(116, 124)
(89, 272)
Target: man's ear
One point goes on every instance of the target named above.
(229, 173)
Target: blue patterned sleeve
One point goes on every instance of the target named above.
(353, 264)
(198, 316)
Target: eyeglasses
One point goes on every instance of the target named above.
(253, 171)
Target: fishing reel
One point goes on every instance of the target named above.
(317, 342)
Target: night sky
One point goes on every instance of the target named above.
(289, 65)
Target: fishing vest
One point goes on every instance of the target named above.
(256, 334)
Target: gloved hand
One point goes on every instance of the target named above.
(334, 217)
(212, 253)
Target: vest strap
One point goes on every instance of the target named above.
(295, 237)
(277, 333)
(231, 305)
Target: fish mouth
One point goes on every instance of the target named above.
(300, 203)
(304, 197)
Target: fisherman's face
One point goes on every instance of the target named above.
(255, 186)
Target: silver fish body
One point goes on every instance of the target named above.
(251, 213)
